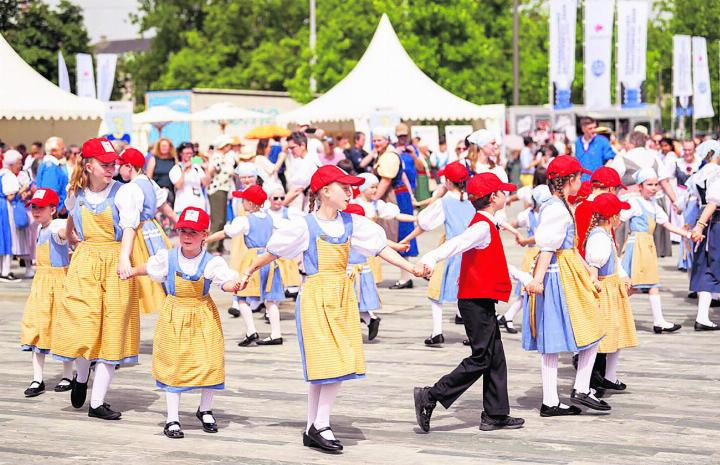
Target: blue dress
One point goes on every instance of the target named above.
(705, 274)
(5, 236)
(261, 229)
(364, 280)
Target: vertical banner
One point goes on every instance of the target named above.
(105, 75)
(702, 100)
(456, 133)
(85, 79)
(632, 49)
(563, 14)
(427, 134)
(598, 52)
(682, 86)
(63, 77)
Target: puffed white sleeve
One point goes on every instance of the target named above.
(368, 238)
(161, 194)
(522, 276)
(290, 239)
(239, 226)
(551, 229)
(598, 250)
(10, 184)
(386, 211)
(523, 219)
(661, 217)
(157, 266)
(712, 195)
(219, 272)
(175, 173)
(129, 202)
(432, 217)
(56, 226)
(476, 236)
(634, 210)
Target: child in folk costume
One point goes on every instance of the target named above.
(256, 227)
(278, 211)
(562, 312)
(603, 180)
(327, 310)
(51, 254)
(147, 198)
(9, 188)
(639, 258)
(188, 348)
(483, 281)
(601, 255)
(99, 320)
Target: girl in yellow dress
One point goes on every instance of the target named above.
(188, 348)
(99, 320)
(51, 255)
(327, 309)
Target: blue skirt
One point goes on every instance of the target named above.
(705, 275)
(5, 235)
(366, 291)
(451, 274)
(404, 203)
(277, 289)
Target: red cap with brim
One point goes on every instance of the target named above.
(329, 174)
(583, 193)
(355, 209)
(193, 218)
(483, 184)
(455, 172)
(132, 156)
(100, 149)
(606, 177)
(607, 205)
(564, 165)
(254, 194)
(45, 198)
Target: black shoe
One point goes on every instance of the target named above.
(35, 389)
(466, 342)
(682, 270)
(488, 423)
(504, 324)
(79, 393)
(104, 412)
(235, 312)
(269, 341)
(290, 295)
(435, 340)
(266, 318)
(692, 295)
(715, 303)
(424, 407)
(607, 384)
(702, 327)
(259, 308)
(373, 328)
(249, 340)
(207, 427)
(558, 411)
(173, 433)
(458, 320)
(9, 278)
(399, 285)
(63, 387)
(587, 401)
(314, 439)
(660, 329)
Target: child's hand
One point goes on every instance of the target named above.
(402, 247)
(521, 240)
(534, 287)
(596, 283)
(628, 285)
(124, 268)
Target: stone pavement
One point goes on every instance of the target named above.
(669, 414)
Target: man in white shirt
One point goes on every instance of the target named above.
(301, 167)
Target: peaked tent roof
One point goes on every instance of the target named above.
(25, 94)
(387, 80)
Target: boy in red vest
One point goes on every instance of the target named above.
(484, 280)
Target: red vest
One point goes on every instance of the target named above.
(484, 272)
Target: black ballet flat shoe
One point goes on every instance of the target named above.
(35, 389)
(458, 320)
(586, 400)
(558, 411)
(207, 427)
(266, 318)
(259, 308)
(607, 384)
(692, 295)
(399, 285)
(249, 340)
(269, 341)
(235, 312)
(104, 412)
(373, 328)
(715, 303)
(435, 340)
(315, 440)
(702, 327)
(173, 433)
(63, 387)
(78, 393)
(488, 423)
(424, 407)
(504, 324)
(660, 329)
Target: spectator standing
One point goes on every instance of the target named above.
(189, 180)
(277, 156)
(9, 188)
(14, 193)
(592, 151)
(358, 155)
(220, 168)
(441, 158)
(71, 159)
(51, 174)
(301, 167)
(331, 154)
(36, 153)
(163, 158)
(527, 159)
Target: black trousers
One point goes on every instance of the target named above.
(487, 360)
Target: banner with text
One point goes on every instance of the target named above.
(632, 48)
(85, 79)
(106, 63)
(702, 96)
(598, 52)
(682, 85)
(563, 15)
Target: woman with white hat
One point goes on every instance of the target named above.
(9, 188)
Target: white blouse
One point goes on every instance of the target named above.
(433, 216)
(132, 194)
(552, 227)
(599, 249)
(638, 205)
(240, 225)
(56, 226)
(708, 175)
(216, 270)
(128, 210)
(292, 237)
(378, 209)
(523, 218)
(10, 184)
(277, 215)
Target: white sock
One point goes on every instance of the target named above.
(103, 377)
(68, 370)
(206, 402)
(405, 276)
(82, 366)
(293, 289)
(236, 302)
(586, 360)
(365, 316)
(5, 265)
(512, 311)
(549, 370)
(611, 363)
(172, 400)
(656, 306)
(313, 399)
(703, 312)
(326, 400)
(437, 312)
(38, 363)
(273, 314)
(247, 318)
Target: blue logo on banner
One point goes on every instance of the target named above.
(597, 68)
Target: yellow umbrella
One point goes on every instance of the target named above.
(267, 132)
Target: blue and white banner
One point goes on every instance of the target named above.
(682, 85)
(63, 77)
(563, 15)
(85, 78)
(702, 96)
(632, 48)
(106, 63)
(598, 53)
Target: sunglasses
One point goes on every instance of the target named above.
(282, 197)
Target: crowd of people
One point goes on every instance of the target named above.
(311, 217)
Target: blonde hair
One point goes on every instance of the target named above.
(79, 178)
(156, 148)
(312, 199)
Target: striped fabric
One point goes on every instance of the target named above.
(617, 316)
(289, 272)
(643, 262)
(376, 267)
(436, 282)
(581, 298)
(151, 293)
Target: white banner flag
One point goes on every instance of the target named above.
(702, 100)
(632, 47)
(63, 77)
(682, 59)
(598, 52)
(563, 14)
(85, 80)
(105, 75)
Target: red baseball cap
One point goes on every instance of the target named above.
(355, 209)
(45, 198)
(564, 165)
(254, 193)
(455, 172)
(483, 184)
(606, 177)
(132, 156)
(607, 205)
(583, 193)
(99, 148)
(330, 173)
(193, 218)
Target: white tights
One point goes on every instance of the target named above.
(38, 363)
(5, 264)
(247, 317)
(273, 314)
(172, 399)
(321, 398)
(611, 363)
(437, 313)
(586, 360)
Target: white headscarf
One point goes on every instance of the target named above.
(369, 178)
(272, 188)
(644, 174)
(10, 158)
(246, 169)
(481, 137)
(541, 193)
(384, 132)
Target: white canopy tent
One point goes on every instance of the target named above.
(386, 80)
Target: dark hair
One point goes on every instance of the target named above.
(358, 135)
(527, 140)
(667, 140)
(540, 176)
(261, 146)
(298, 137)
(346, 165)
(442, 140)
(481, 202)
(461, 187)
(185, 145)
(311, 201)
(595, 220)
(37, 144)
(585, 120)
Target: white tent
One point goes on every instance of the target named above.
(387, 80)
